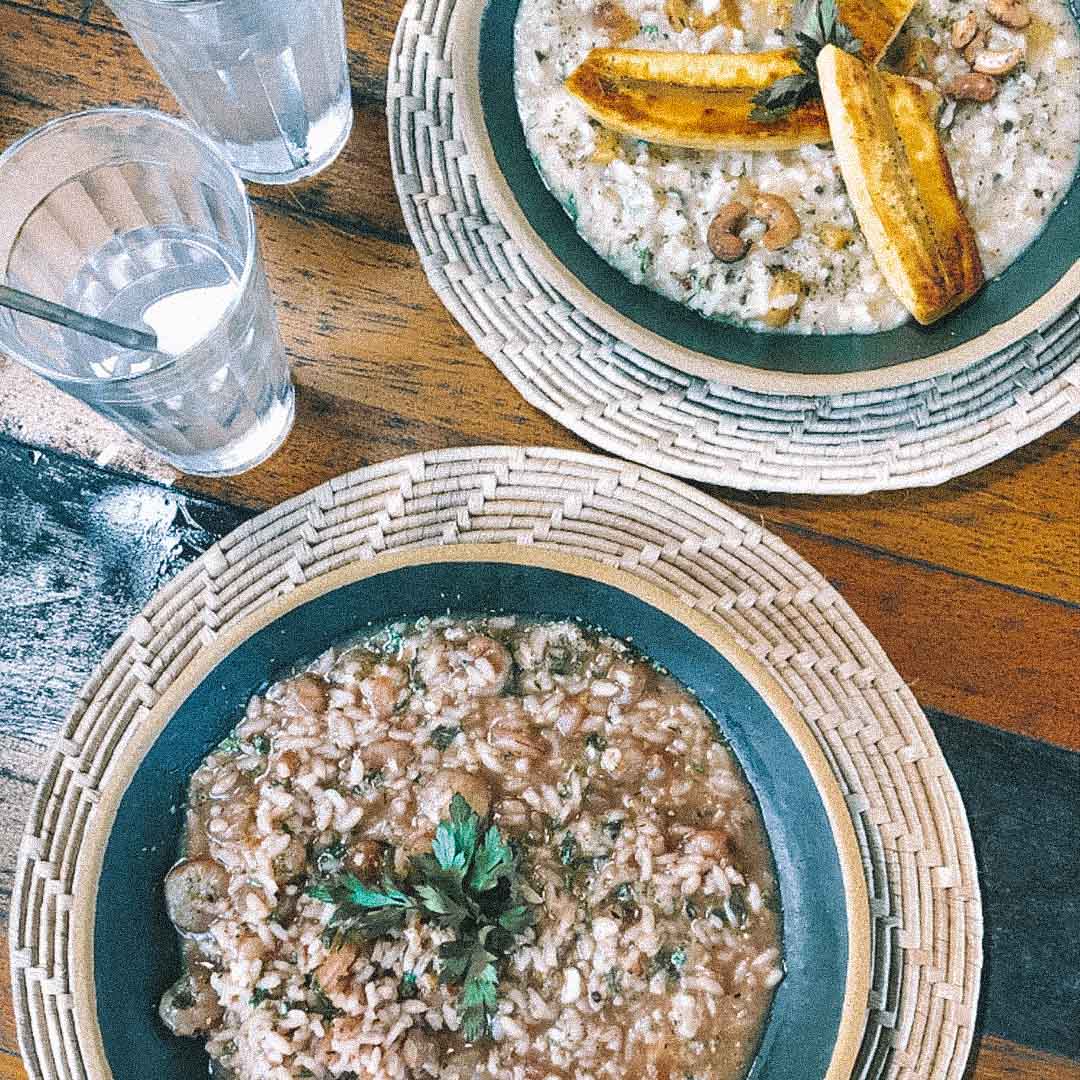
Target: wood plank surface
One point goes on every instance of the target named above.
(996, 1059)
(384, 370)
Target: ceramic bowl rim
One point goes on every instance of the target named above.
(127, 761)
(500, 198)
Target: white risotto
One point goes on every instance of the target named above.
(646, 209)
(481, 849)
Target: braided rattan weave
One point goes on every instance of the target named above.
(640, 408)
(916, 847)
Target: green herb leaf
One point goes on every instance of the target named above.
(465, 826)
(568, 850)
(782, 97)
(494, 861)
(822, 27)
(358, 893)
(443, 736)
(321, 1004)
(516, 919)
(445, 848)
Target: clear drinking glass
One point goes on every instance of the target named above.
(267, 79)
(134, 217)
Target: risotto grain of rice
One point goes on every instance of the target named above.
(654, 949)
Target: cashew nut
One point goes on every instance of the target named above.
(997, 61)
(1010, 13)
(678, 14)
(973, 86)
(781, 219)
(785, 294)
(726, 14)
(835, 237)
(963, 31)
(920, 55)
(975, 46)
(723, 239)
(611, 16)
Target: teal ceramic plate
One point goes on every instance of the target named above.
(1033, 290)
(819, 1009)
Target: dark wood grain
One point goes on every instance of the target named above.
(996, 1059)
(81, 552)
(1023, 802)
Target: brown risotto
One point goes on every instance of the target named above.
(475, 848)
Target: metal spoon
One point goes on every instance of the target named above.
(39, 308)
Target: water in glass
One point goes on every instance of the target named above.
(267, 79)
(164, 242)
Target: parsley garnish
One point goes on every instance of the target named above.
(470, 883)
(823, 27)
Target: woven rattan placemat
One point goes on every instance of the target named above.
(619, 399)
(916, 847)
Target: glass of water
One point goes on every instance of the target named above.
(267, 79)
(134, 217)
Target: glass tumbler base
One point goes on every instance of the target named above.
(252, 449)
(308, 170)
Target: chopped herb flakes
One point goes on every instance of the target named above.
(443, 736)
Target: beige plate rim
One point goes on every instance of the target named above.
(128, 759)
(502, 204)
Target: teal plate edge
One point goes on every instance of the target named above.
(1036, 271)
(802, 1028)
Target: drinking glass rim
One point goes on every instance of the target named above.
(250, 238)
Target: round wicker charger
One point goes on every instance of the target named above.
(913, 834)
(618, 398)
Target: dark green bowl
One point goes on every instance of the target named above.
(1032, 290)
(819, 1008)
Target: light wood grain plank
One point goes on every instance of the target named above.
(8, 1041)
(1016, 521)
(369, 30)
(11, 1067)
(964, 647)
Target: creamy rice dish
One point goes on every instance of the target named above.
(475, 848)
(646, 208)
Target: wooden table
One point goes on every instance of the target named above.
(972, 588)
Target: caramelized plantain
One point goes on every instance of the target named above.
(899, 182)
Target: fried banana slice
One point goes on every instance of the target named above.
(899, 182)
(875, 23)
(691, 116)
(702, 71)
